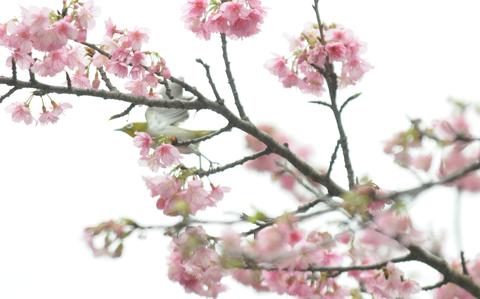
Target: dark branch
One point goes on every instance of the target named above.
(231, 81)
(464, 263)
(14, 70)
(338, 270)
(333, 159)
(331, 79)
(425, 186)
(107, 81)
(124, 112)
(435, 286)
(69, 81)
(9, 93)
(210, 81)
(450, 275)
(202, 173)
(349, 100)
(322, 103)
(200, 139)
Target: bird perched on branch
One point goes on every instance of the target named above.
(163, 123)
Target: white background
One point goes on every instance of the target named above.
(56, 180)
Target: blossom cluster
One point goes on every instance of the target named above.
(312, 51)
(21, 112)
(177, 195)
(453, 135)
(195, 264)
(286, 247)
(234, 18)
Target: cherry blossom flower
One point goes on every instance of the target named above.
(59, 109)
(236, 19)
(20, 112)
(163, 186)
(144, 141)
(340, 46)
(194, 265)
(136, 38)
(389, 283)
(167, 154)
(81, 80)
(47, 117)
(86, 15)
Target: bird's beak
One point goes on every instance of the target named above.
(119, 129)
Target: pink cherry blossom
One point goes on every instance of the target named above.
(59, 109)
(389, 283)
(119, 69)
(456, 159)
(163, 186)
(137, 87)
(340, 46)
(236, 19)
(196, 8)
(51, 65)
(86, 14)
(80, 80)
(196, 197)
(37, 19)
(195, 265)
(22, 60)
(136, 38)
(20, 112)
(47, 117)
(167, 154)
(144, 141)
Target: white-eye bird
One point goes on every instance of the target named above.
(163, 122)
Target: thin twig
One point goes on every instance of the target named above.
(231, 80)
(322, 103)
(425, 186)
(340, 269)
(435, 286)
(449, 274)
(210, 81)
(124, 112)
(333, 159)
(464, 263)
(69, 81)
(9, 93)
(349, 100)
(203, 173)
(14, 69)
(319, 21)
(107, 81)
(200, 139)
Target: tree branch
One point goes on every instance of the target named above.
(9, 93)
(201, 102)
(200, 139)
(349, 100)
(265, 152)
(107, 81)
(210, 81)
(231, 81)
(450, 275)
(124, 112)
(333, 159)
(425, 186)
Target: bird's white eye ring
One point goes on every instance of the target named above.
(129, 126)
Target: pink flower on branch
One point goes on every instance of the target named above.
(20, 112)
(235, 18)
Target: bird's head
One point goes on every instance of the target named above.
(131, 128)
